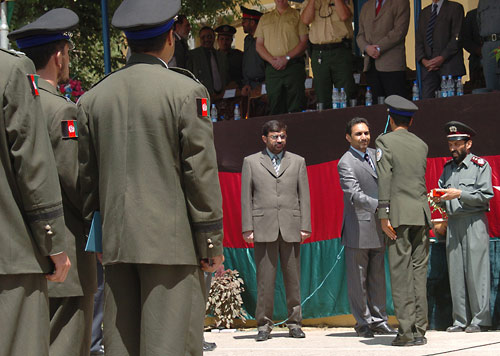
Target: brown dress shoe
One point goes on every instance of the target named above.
(365, 331)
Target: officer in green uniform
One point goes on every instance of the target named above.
(253, 65)
(46, 42)
(32, 236)
(331, 36)
(225, 34)
(147, 162)
(405, 219)
(467, 187)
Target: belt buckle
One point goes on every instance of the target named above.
(494, 37)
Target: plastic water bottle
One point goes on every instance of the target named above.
(368, 97)
(213, 113)
(343, 98)
(444, 87)
(451, 86)
(237, 114)
(335, 98)
(460, 87)
(415, 93)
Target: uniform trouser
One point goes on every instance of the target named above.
(71, 325)
(490, 66)
(468, 252)
(24, 315)
(285, 88)
(331, 67)
(366, 285)
(386, 83)
(266, 260)
(408, 256)
(96, 344)
(153, 310)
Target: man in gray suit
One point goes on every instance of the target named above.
(361, 233)
(276, 217)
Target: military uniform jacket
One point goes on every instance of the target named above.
(147, 162)
(401, 165)
(59, 113)
(199, 65)
(473, 177)
(30, 197)
(253, 65)
(272, 203)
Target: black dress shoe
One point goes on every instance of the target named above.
(365, 331)
(454, 329)
(383, 329)
(420, 341)
(263, 335)
(399, 342)
(209, 346)
(297, 333)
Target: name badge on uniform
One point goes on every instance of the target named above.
(33, 80)
(69, 129)
(202, 107)
(379, 154)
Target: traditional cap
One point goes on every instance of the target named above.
(143, 19)
(225, 30)
(52, 26)
(250, 14)
(456, 131)
(400, 106)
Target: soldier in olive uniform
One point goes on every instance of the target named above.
(253, 65)
(31, 214)
(225, 34)
(147, 161)
(466, 182)
(405, 219)
(46, 42)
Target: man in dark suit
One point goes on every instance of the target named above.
(182, 27)
(225, 36)
(361, 233)
(71, 302)
(405, 218)
(437, 44)
(276, 217)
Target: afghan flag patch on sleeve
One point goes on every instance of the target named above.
(33, 80)
(69, 129)
(202, 106)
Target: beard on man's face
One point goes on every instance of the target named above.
(458, 155)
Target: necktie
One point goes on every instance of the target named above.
(276, 166)
(369, 160)
(215, 72)
(378, 7)
(430, 25)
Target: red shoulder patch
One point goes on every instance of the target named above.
(33, 80)
(202, 107)
(478, 161)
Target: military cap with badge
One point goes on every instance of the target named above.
(456, 130)
(225, 30)
(250, 13)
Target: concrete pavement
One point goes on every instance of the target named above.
(343, 341)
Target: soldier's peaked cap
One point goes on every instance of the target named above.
(52, 26)
(225, 30)
(456, 130)
(142, 19)
(400, 106)
(250, 13)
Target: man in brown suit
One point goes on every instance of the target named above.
(383, 25)
(276, 217)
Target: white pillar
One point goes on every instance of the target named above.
(4, 27)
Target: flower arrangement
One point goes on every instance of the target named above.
(434, 207)
(73, 90)
(224, 299)
(496, 53)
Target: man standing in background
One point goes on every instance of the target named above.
(253, 65)
(234, 57)
(182, 28)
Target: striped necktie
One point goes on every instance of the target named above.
(430, 25)
(369, 160)
(378, 7)
(276, 166)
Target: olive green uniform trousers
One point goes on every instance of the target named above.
(285, 88)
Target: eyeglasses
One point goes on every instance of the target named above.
(275, 137)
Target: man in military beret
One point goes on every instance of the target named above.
(405, 219)
(253, 65)
(208, 65)
(182, 27)
(47, 43)
(31, 213)
(147, 162)
(467, 188)
(225, 35)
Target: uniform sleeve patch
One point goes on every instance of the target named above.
(69, 129)
(33, 80)
(202, 107)
(379, 154)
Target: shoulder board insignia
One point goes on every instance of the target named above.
(185, 72)
(33, 79)
(12, 52)
(69, 129)
(478, 161)
(202, 107)
(379, 154)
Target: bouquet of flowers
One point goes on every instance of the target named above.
(73, 90)
(439, 225)
(496, 53)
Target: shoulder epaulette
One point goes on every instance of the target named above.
(185, 72)
(478, 161)
(12, 52)
(107, 75)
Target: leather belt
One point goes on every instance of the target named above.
(491, 38)
(346, 43)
